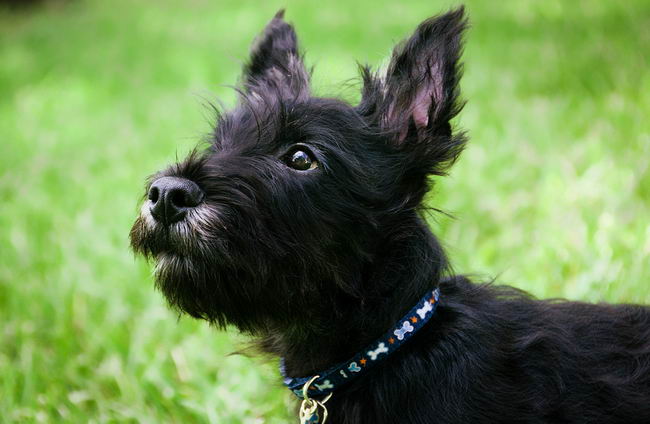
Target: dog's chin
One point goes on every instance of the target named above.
(192, 287)
(180, 280)
(172, 272)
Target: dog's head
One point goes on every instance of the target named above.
(296, 195)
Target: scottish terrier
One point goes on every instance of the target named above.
(301, 223)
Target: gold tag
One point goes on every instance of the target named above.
(309, 407)
(309, 411)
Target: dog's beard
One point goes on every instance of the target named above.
(180, 252)
(184, 283)
(211, 290)
(195, 267)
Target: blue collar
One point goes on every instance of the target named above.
(341, 374)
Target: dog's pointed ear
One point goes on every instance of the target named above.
(275, 62)
(418, 95)
(421, 84)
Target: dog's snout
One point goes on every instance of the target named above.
(172, 197)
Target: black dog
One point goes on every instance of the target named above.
(301, 225)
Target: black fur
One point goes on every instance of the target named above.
(316, 264)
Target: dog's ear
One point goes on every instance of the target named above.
(275, 64)
(418, 95)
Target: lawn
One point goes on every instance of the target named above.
(552, 195)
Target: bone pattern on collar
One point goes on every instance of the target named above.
(341, 374)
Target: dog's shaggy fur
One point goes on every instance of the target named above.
(315, 264)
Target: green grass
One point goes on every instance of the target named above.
(553, 194)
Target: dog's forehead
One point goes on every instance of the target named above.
(265, 127)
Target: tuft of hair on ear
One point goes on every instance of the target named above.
(275, 66)
(414, 101)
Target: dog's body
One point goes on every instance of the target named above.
(301, 225)
(493, 355)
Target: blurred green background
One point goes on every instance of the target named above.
(552, 195)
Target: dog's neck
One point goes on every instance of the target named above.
(326, 336)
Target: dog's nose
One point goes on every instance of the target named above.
(172, 197)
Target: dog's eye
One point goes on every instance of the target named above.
(300, 159)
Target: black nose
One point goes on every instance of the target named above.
(172, 197)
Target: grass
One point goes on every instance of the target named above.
(553, 194)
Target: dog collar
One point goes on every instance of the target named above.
(324, 383)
